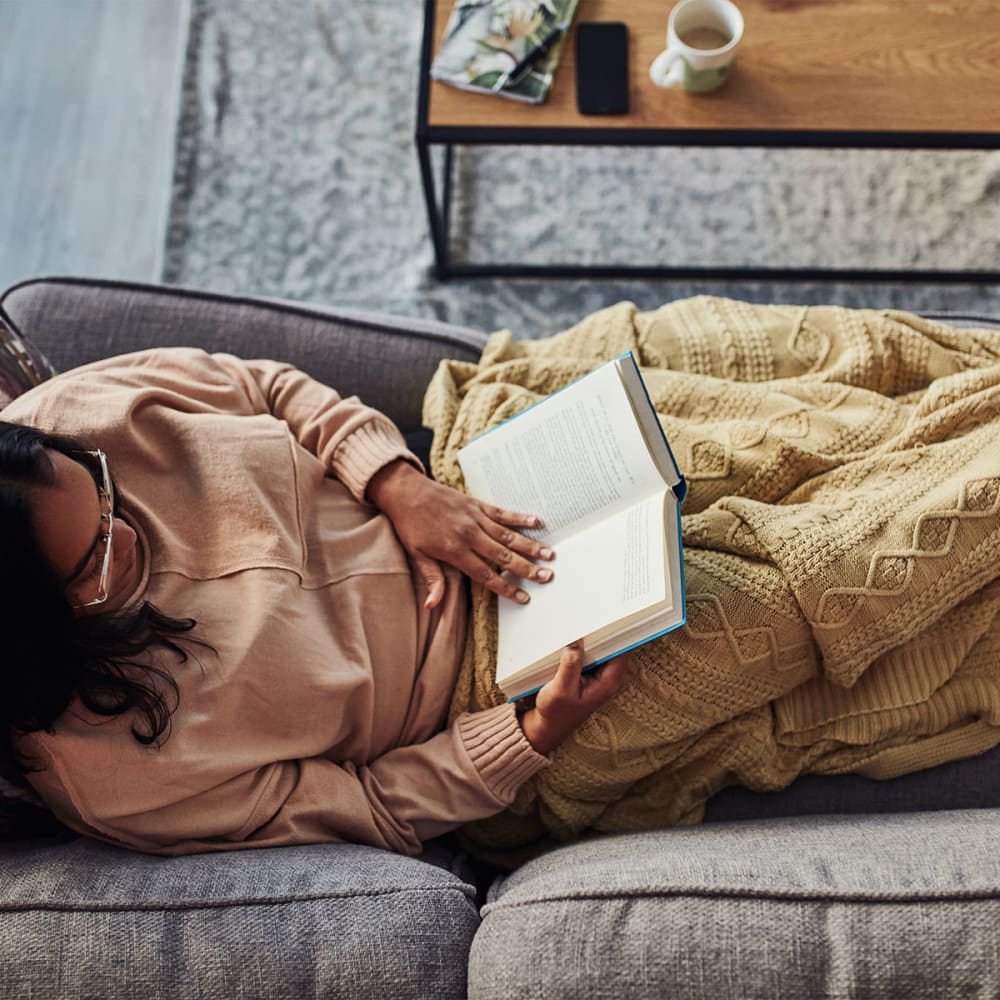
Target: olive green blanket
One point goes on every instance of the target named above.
(842, 554)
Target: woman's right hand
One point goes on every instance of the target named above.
(569, 699)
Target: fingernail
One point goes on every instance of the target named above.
(544, 575)
(522, 597)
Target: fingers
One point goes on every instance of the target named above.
(512, 551)
(512, 518)
(480, 540)
(608, 678)
(596, 686)
(504, 586)
(570, 698)
(567, 678)
(430, 572)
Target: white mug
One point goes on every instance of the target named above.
(702, 36)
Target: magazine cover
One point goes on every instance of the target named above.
(505, 47)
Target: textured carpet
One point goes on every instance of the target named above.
(297, 176)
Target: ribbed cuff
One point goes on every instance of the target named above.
(499, 749)
(366, 450)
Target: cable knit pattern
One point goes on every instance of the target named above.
(842, 553)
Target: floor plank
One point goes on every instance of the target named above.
(89, 92)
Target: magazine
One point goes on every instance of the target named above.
(506, 47)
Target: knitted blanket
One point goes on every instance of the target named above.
(842, 554)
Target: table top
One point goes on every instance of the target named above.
(851, 72)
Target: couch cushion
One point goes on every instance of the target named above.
(84, 919)
(873, 906)
(386, 360)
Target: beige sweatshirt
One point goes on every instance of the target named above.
(318, 715)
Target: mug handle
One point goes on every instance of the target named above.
(667, 69)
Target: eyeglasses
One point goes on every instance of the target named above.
(106, 495)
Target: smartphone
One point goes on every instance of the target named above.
(602, 68)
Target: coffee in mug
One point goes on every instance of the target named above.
(705, 38)
(702, 36)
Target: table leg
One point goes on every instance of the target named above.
(449, 174)
(437, 218)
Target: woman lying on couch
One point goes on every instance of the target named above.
(304, 698)
(842, 545)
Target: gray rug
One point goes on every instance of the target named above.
(297, 176)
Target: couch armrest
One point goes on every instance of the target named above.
(386, 360)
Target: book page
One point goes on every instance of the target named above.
(609, 571)
(572, 459)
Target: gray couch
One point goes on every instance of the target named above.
(836, 887)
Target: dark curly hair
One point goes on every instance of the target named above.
(51, 656)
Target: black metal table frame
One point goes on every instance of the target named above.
(451, 136)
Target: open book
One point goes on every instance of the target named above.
(593, 463)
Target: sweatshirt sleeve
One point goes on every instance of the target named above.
(353, 440)
(469, 771)
(409, 795)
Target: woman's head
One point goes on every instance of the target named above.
(36, 617)
(58, 496)
(65, 628)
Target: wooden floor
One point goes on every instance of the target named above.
(89, 92)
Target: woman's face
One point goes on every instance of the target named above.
(70, 530)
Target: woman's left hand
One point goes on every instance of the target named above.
(438, 524)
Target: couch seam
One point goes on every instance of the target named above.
(223, 904)
(277, 304)
(779, 895)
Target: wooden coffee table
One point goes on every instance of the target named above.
(809, 73)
